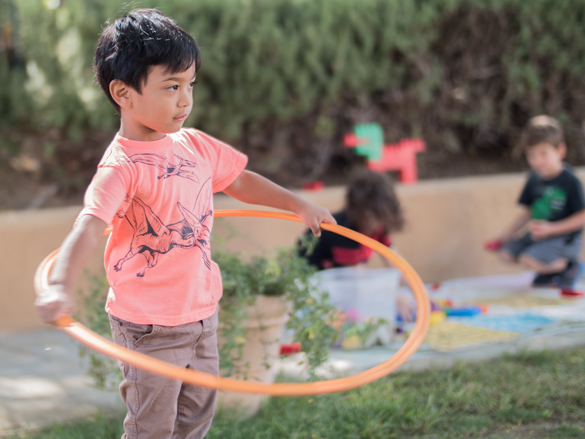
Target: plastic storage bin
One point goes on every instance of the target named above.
(363, 293)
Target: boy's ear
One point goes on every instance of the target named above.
(562, 149)
(120, 93)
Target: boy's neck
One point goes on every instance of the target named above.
(133, 131)
(554, 173)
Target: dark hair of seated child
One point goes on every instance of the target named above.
(371, 208)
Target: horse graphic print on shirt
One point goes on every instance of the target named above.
(169, 169)
(152, 238)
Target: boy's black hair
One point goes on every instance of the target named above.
(542, 129)
(370, 193)
(140, 39)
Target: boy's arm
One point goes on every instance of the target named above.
(78, 246)
(252, 188)
(544, 229)
(521, 220)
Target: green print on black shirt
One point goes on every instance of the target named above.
(553, 200)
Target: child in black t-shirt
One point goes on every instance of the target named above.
(553, 207)
(371, 208)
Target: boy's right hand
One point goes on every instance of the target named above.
(540, 230)
(53, 303)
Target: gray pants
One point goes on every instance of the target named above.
(158, 407)
(547, 250)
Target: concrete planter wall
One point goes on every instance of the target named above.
(447, 223)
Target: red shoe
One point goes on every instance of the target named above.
(569, 292)
(493, 246)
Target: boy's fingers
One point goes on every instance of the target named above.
(315, 218)
(326, 217)
(329, 220)
(315, 226)
(316, 229)
(50, 313)
(53, 304)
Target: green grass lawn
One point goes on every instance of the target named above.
(531, 395)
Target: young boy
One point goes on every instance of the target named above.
(155, 185)
(552, 205)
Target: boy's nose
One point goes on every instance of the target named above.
(185, 100)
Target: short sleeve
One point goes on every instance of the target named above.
(105, 194)
(576, 201)
(526, 195)
(227, 163)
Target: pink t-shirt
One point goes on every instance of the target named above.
(158, 196)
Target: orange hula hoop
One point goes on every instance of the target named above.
(106, 347)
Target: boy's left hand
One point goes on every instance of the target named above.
(540, 230)
(313, 215)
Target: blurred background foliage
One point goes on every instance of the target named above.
(283, 80)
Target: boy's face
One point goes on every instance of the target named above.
(162, 106)
(546, 159)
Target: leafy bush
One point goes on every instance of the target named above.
(283, 80)
(286, 274)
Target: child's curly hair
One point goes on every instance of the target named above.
(370, 192)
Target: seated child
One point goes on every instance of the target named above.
(371, 208)
(155, 185)
(553, 207)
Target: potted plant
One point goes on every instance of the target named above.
(262, 296)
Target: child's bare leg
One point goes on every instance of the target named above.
(506, 256)
(531, 263)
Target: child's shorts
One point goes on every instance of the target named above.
(546, 250)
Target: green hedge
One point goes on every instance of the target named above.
(286, 78)
(261, 59)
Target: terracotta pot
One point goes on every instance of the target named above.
(264, 329)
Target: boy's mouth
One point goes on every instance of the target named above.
(181, 118)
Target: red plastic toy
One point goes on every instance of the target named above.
(569, 292)
(313, 186)
(368, 142)
(493, 245)
(289, 349)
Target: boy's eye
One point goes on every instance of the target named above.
(174, 87)
(192, 84)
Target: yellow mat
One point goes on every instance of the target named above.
(447, 336)
(523, 301)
